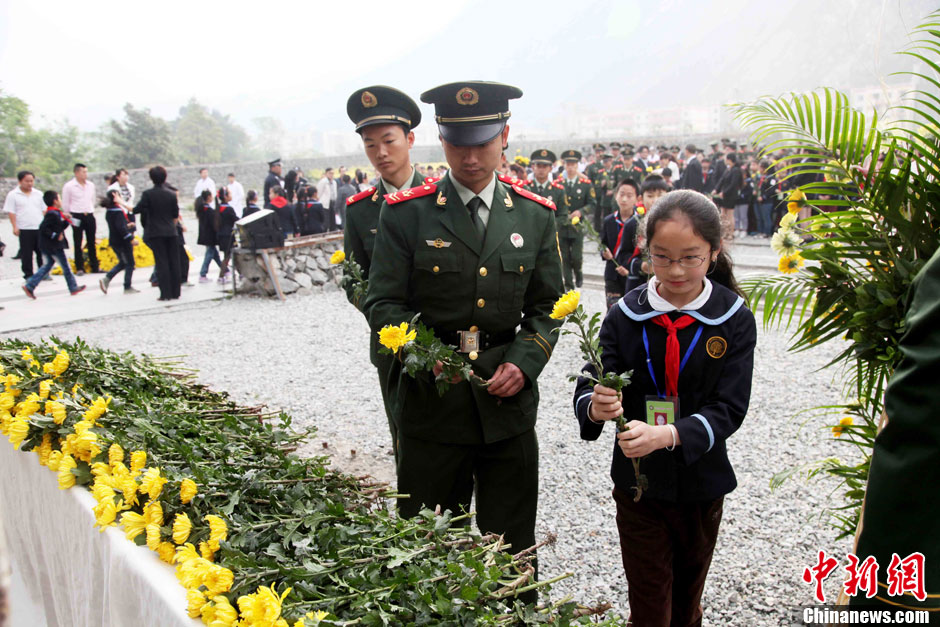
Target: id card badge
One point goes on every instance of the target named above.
(661, 411)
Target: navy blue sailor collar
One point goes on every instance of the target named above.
(721, 305)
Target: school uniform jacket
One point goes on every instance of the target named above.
(610, 231)
(714, 391)
(52, 225)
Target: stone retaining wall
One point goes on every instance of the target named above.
(302, 266)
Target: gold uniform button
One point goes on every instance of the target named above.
(481, 303)
(482, 271)
(473, 355)
(521, 268)
(436, 269)
(474, 329)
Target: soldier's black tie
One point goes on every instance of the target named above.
(474, 207)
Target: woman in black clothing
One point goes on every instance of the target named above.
(729, 191)
(226, 229)
(159, 210)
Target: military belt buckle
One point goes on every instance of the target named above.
(469, 341)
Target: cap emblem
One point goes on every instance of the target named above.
(369, 100)
(467, 96)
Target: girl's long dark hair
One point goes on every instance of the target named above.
(706, 223)
(290, 184)
(114, 177)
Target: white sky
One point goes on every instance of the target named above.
(298, 61)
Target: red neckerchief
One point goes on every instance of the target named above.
(59, 211)
(279, 201)
(672, 349)
(622, 224)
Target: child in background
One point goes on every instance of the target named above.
(251, 205)
(208, 233)
(618, 234)
(283, 211)
(689, 340)
(121, 228)
(227, 220)
(52, 244)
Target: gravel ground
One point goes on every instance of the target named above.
(308, 356)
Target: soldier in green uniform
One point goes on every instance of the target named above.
(631, 170)
(581, 201)
(384, 118)
(542, 184)
(598, 173)
(478, 259)
(615, 174)
(591, 170)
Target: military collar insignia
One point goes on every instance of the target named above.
(437, 243)
(508, 201)
(441, 199)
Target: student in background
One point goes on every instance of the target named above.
(618, 233)
(251, 203)
(121, 229)
(226, 232)
(52, 243)
(208, 233)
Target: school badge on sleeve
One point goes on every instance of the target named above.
(716, 347)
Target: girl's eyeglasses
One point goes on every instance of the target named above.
(690, 261)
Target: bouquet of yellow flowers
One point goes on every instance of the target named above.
(352, 276)
(419, 349)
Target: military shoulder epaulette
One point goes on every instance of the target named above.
(431, 179)
(545, 202)
(360, 195)
(509, 180)
(584, 179)
(406, 194)
(557, 185)
(618, 165)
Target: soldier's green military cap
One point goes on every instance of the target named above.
(615, 145)
(571, 155)
(599, 147)
(379, 104)
(627, 146)
(606, 156)
(471, 113)
(543, 156)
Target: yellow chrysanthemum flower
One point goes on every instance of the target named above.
(394, 338)
(134, 524)
(97, 409)
(153, 536)
(218, 580)
(45, 448)
(44, 389)
(166, 551)
(847, 421)
(185, 552)
(788, 220)
(207, 550)
(338, 257)
(115, 454)
(138, 461)
(794, 207)
(53, 462)
(129, 487)
(796, 195)
(102, 491)
(152, 483)
(18, 430)
(66, 478)
(566, 305)
(188, 490)
(105, 513)
(195, 601)
(60, 364)
(219, 613)
(181, 528)
(153, 512)
(263, 607)
(575, 220)
(7, 401)
(791, 263)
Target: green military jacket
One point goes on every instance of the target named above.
(362, 222)
(599, 178)
(580, 196)
(432, 262)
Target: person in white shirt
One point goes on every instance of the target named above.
(25, 207)
(238, 194)
(120, 183)
(78, 200)
(326, 193)
(203, 183)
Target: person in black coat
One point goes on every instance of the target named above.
(251, 205)
(273, 179)
(309, 214)
(728, 193)
(692, 175)
(159, 209)
(208, 233)
(283, 210)
(226, 230)
(618, 234)
(52, 244)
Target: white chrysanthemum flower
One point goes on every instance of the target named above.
(785, 242)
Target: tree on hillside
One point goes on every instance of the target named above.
(14, 132)
(234, 138)
(46, 151)
(198, 137)
(141, 139)
(270, 138)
